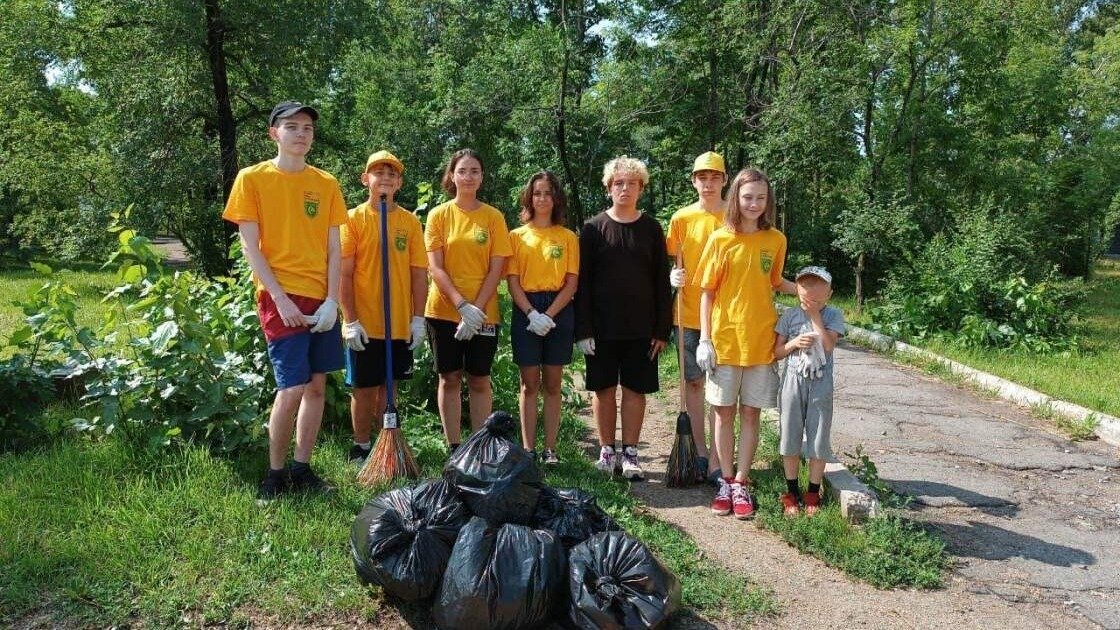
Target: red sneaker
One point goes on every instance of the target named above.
(789, 505)
(721, 505)
(812, 503)
(741, 502)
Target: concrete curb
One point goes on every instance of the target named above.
(857, 501)
(1108, 427)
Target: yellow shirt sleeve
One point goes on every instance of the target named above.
(243, 203)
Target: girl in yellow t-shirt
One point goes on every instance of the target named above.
(739, 270)
(543, 273)
(467, 243)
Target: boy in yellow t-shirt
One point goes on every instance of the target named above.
(362, 297)
(288, 214)
(689, 229)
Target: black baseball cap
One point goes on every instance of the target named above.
(290, 108)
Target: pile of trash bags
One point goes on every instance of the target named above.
(491, 546)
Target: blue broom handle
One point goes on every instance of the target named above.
(391, 399)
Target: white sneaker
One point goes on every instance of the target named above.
(630, 468)
(607, 460)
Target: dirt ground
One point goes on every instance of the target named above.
(999, 578)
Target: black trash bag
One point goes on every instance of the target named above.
(496, 477)
(501, 576)
(572, 515)
(616, 582)
(401, 540)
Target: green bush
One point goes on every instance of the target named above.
(24, 391)
(978, 286)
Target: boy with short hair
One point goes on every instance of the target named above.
(807, 334)
(362, 305)
(689, 229)
(288, 214)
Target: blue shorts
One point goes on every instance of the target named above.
(555, 348)
(296, 357)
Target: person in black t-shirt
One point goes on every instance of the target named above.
(623, 311)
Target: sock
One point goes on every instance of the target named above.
(276, 472)
(300, 468)
(792, 488)
(454, 447)
(814, 487)
(365, 445)
(626, 446)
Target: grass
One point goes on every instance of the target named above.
(96, 534)
(18, 280)
(888, 551)
(1087, 377)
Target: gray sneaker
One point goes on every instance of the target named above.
(630, 467)
(550, 458)
(608, 459)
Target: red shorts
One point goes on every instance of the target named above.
(273, 326)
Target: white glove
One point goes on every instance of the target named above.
(463, 332)
(417, 331)
(354, 334)
(472, 316)
(812, 361)
(539, 323)
(706, 355)
(586, 346)
(327, 316)
(677, 277)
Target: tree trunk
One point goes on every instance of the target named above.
(227, 125)
(575, 203)
(859, 283)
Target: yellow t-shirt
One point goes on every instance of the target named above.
(295, 212)
(468, 240)
(542, 257)
(688, 233)
(743, 270)
(361, 238)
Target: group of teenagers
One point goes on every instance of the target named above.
(607, 291)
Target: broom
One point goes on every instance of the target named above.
(391, 457)
(681, 470)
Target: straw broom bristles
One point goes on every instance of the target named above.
(390, 459)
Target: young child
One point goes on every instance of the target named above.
(543, 274)
(362, 300)
(288, 214)
(689, 229)
(807, 335)
(739, 270)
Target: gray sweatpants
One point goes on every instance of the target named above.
(806, 408)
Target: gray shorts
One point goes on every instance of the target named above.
(806, 408)
(692, 372)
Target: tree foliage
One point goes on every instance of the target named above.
(910, 112)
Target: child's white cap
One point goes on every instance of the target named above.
(813, 270)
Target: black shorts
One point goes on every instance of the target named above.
(476, 355)
(367, 368)
(623, 362)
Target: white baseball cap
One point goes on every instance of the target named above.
(813, 270)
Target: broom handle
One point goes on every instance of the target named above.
(390, 398)
(680, 336)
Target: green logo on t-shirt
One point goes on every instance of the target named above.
(481, 236)
(310, 208)
(555, 251)
(400, 242)
(767, 261)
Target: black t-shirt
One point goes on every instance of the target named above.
(623, 280)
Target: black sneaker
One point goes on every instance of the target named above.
(305, 480)
(274, 484)
(358, 455)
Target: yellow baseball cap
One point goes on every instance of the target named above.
(710, 161)
(386, 158)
